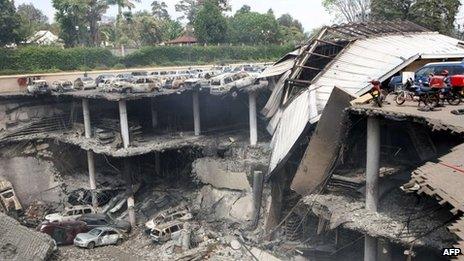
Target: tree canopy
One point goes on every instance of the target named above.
(9, 23)
(210, 24)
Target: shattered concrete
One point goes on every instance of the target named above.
(400, 219)
(216, 172)
(20, 243)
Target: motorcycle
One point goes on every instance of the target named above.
(420, 93)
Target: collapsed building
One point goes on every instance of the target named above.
(344, 177)
(353, 170)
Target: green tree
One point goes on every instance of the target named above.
(9, 23)
(190, 8)
(171, 29)
(210, 24)
(159, 10)
(244, 9)
(438, 15)
(254, 28)
(71, 16)
(96, 8)
(31, 19)
(348, 10)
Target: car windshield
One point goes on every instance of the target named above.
(95, 232)
(87, 79)
(155, 233)
(8, 194)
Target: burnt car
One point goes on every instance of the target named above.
(62, 86)
(179, 213)
(166, 231)
(102, 78)
(38, 87)
(9, 203)
(63, 232)
(84, 83)
(102, 220)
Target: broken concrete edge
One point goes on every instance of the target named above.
(436, 125)
(323, 207)
(152, 146)
(18, 242)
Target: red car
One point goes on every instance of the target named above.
(63, 232)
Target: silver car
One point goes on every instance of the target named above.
(100, 236)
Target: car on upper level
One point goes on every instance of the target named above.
(38, 87)
(62, 86)
(102, 78)
(136, 85)
(421, 76)
(84, 83)
(231, 83)
(70, 213)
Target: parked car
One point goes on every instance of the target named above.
(102, 78)
(100, 220)
(421, 76)
(136, 85)
(70, 213)
(231, 82)
(84, 83)
(166, 231)
(180, 213)
(62, 86)
(38, 87)
(8, 201)
(125, 76)
(101, 236)
(63, 232)
(139, 73)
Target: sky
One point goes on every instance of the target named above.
(310, 13)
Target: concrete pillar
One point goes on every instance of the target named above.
(90, 156)
(157, 163)
(253, 118)
(86, 113)
(372, 163)
(372, 179)
(258, 178)
(130, 193)
(154, 114)
(124, 123)
(196, 113)
(93, 185)
(186, 237)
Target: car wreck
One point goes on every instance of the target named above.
(9, 203)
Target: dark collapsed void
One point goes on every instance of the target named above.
(397, 147)
(218, 113)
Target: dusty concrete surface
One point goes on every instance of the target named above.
(32, 178)
(439, 119)
(20, 243)
(216, 173)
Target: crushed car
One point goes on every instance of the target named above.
(9, 203)
(103, 78)
(63, 232)
(136, 85)
(62, 86)
(101, 236)
(180, 213)
(38, 87)
(100, 220)
(70, 213)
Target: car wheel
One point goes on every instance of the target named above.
(91, 245)
(119, 242)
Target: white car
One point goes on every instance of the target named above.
(137, 85)
(180, 213)
(101, 236)
(38, 87)
(62, 86)
(231, 82)
(70, 214)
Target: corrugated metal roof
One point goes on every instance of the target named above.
(362, 60)
(292, 123)
(372, 58)
(278, 69)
